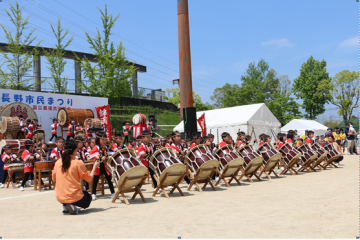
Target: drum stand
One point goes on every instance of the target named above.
(251, 171)
(330, 163)
(175, 186)
(290, 167)
(196, 181)
(136, 189)
(233, 176)
(37, 179)
(268, 169)
(306, 166)
(19, 178)
(317, 163)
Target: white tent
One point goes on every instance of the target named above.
(243, 118)
(301, 125)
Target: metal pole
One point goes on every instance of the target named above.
(37, 73)
(186, 97)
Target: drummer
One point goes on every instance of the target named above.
(57, 152)
(87, 144)
(28, 156)
(87, 134)
(144, 152)
(132, 143)
(168, 140)
(54, 127)
(309, 140)
(331, 139)
(139, 141)
(241, 142)
(226, 139)
(67, 173)
(117, 144)
(195, 140)
(71, 130)
(176, 136)
(7, 156)
(100, 152)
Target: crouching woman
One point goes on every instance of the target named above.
(67, 173)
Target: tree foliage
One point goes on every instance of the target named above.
(111, 76)
(313, 87)
(173, 95)
(16, 64)
(346, 93)
(56, 60)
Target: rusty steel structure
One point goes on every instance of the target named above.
(185, 83)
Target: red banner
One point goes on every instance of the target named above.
(103, 113)
(201, 121)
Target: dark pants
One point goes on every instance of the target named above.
(151, 171)
(18, 133)
(108, 179)
(339, 159)
(126, 140)
(187, 180)
(53, 136)
(6, 175)
(26, 178)
(84, 202)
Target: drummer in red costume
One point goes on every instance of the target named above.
(290, 137)
(241, 141)
(176, 137)
(309, 140)
(139, 141)
(144, 153)
(261, 136)
(196, 140)
(87, 134)
(226, 139)
(132, 143)
(126, 129)
(71, 129)
(7, 156)
(57, 152)
(118, 143)
(28, 156)
(168, 140)
(54, 127)
(100, 152)
(32, 127)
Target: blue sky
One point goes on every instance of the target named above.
(225, 36)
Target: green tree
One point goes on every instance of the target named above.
(283, 106)
(111, 76)
(313, 86)
(346, 93)
(16, 64)
(56, 60)
(173, 95)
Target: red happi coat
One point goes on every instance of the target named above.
(29, 166)
(141, 150)
(95, 151)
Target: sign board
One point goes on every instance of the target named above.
(160, 93)
(46, 105)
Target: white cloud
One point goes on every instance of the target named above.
(279, 43)
(350, 42)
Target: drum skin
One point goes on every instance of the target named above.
(16, 167)
(165, 162)
(289, 153)
(320, 151)
(139, 118)
(307, 153)
(16, 108)
(333, 153)
(40, 133)
(79, 115)
(269, 154)
(9, 126)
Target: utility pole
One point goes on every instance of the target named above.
(185, 83)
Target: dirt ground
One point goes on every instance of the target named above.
(322, 204)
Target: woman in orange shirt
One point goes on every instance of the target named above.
(67, 173)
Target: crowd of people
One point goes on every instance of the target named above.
(74, 151)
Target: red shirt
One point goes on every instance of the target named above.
(308, 141)
(192, 145)
(70, 128)
(5, 157)
(95, 151)
(289, 140)
(223, 144)
(280, 145)
(141, 150)
(240, 144)
(126, 129)
(86, 129)
(167, 145)
(54, 127)
(177, 148)
(56, 153)
(29, 166)
(261, 143)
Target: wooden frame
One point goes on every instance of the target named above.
(233, 176)
(196, 181)
(37, 177)
(9, 179)
(250, 172)
(175, 186)
(136, 190)
(267, 169)
(290, 167)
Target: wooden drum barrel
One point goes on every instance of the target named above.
(9, 126)
(17, 146)
(16, 108)
(79, 115)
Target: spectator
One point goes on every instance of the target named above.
(350, 137)
(343, 139)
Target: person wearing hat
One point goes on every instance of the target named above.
(132, 143)
(57, 152)
(28, 156)
(126, 129)
(32, 127)
(139, 141)
(226, 139)
(99, 152)
(7, 157)
(168, 140)
(195, 140)
(144, 153)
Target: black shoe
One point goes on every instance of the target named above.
(72, 209)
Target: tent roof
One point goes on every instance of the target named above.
(303, 124)
(254, 114)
